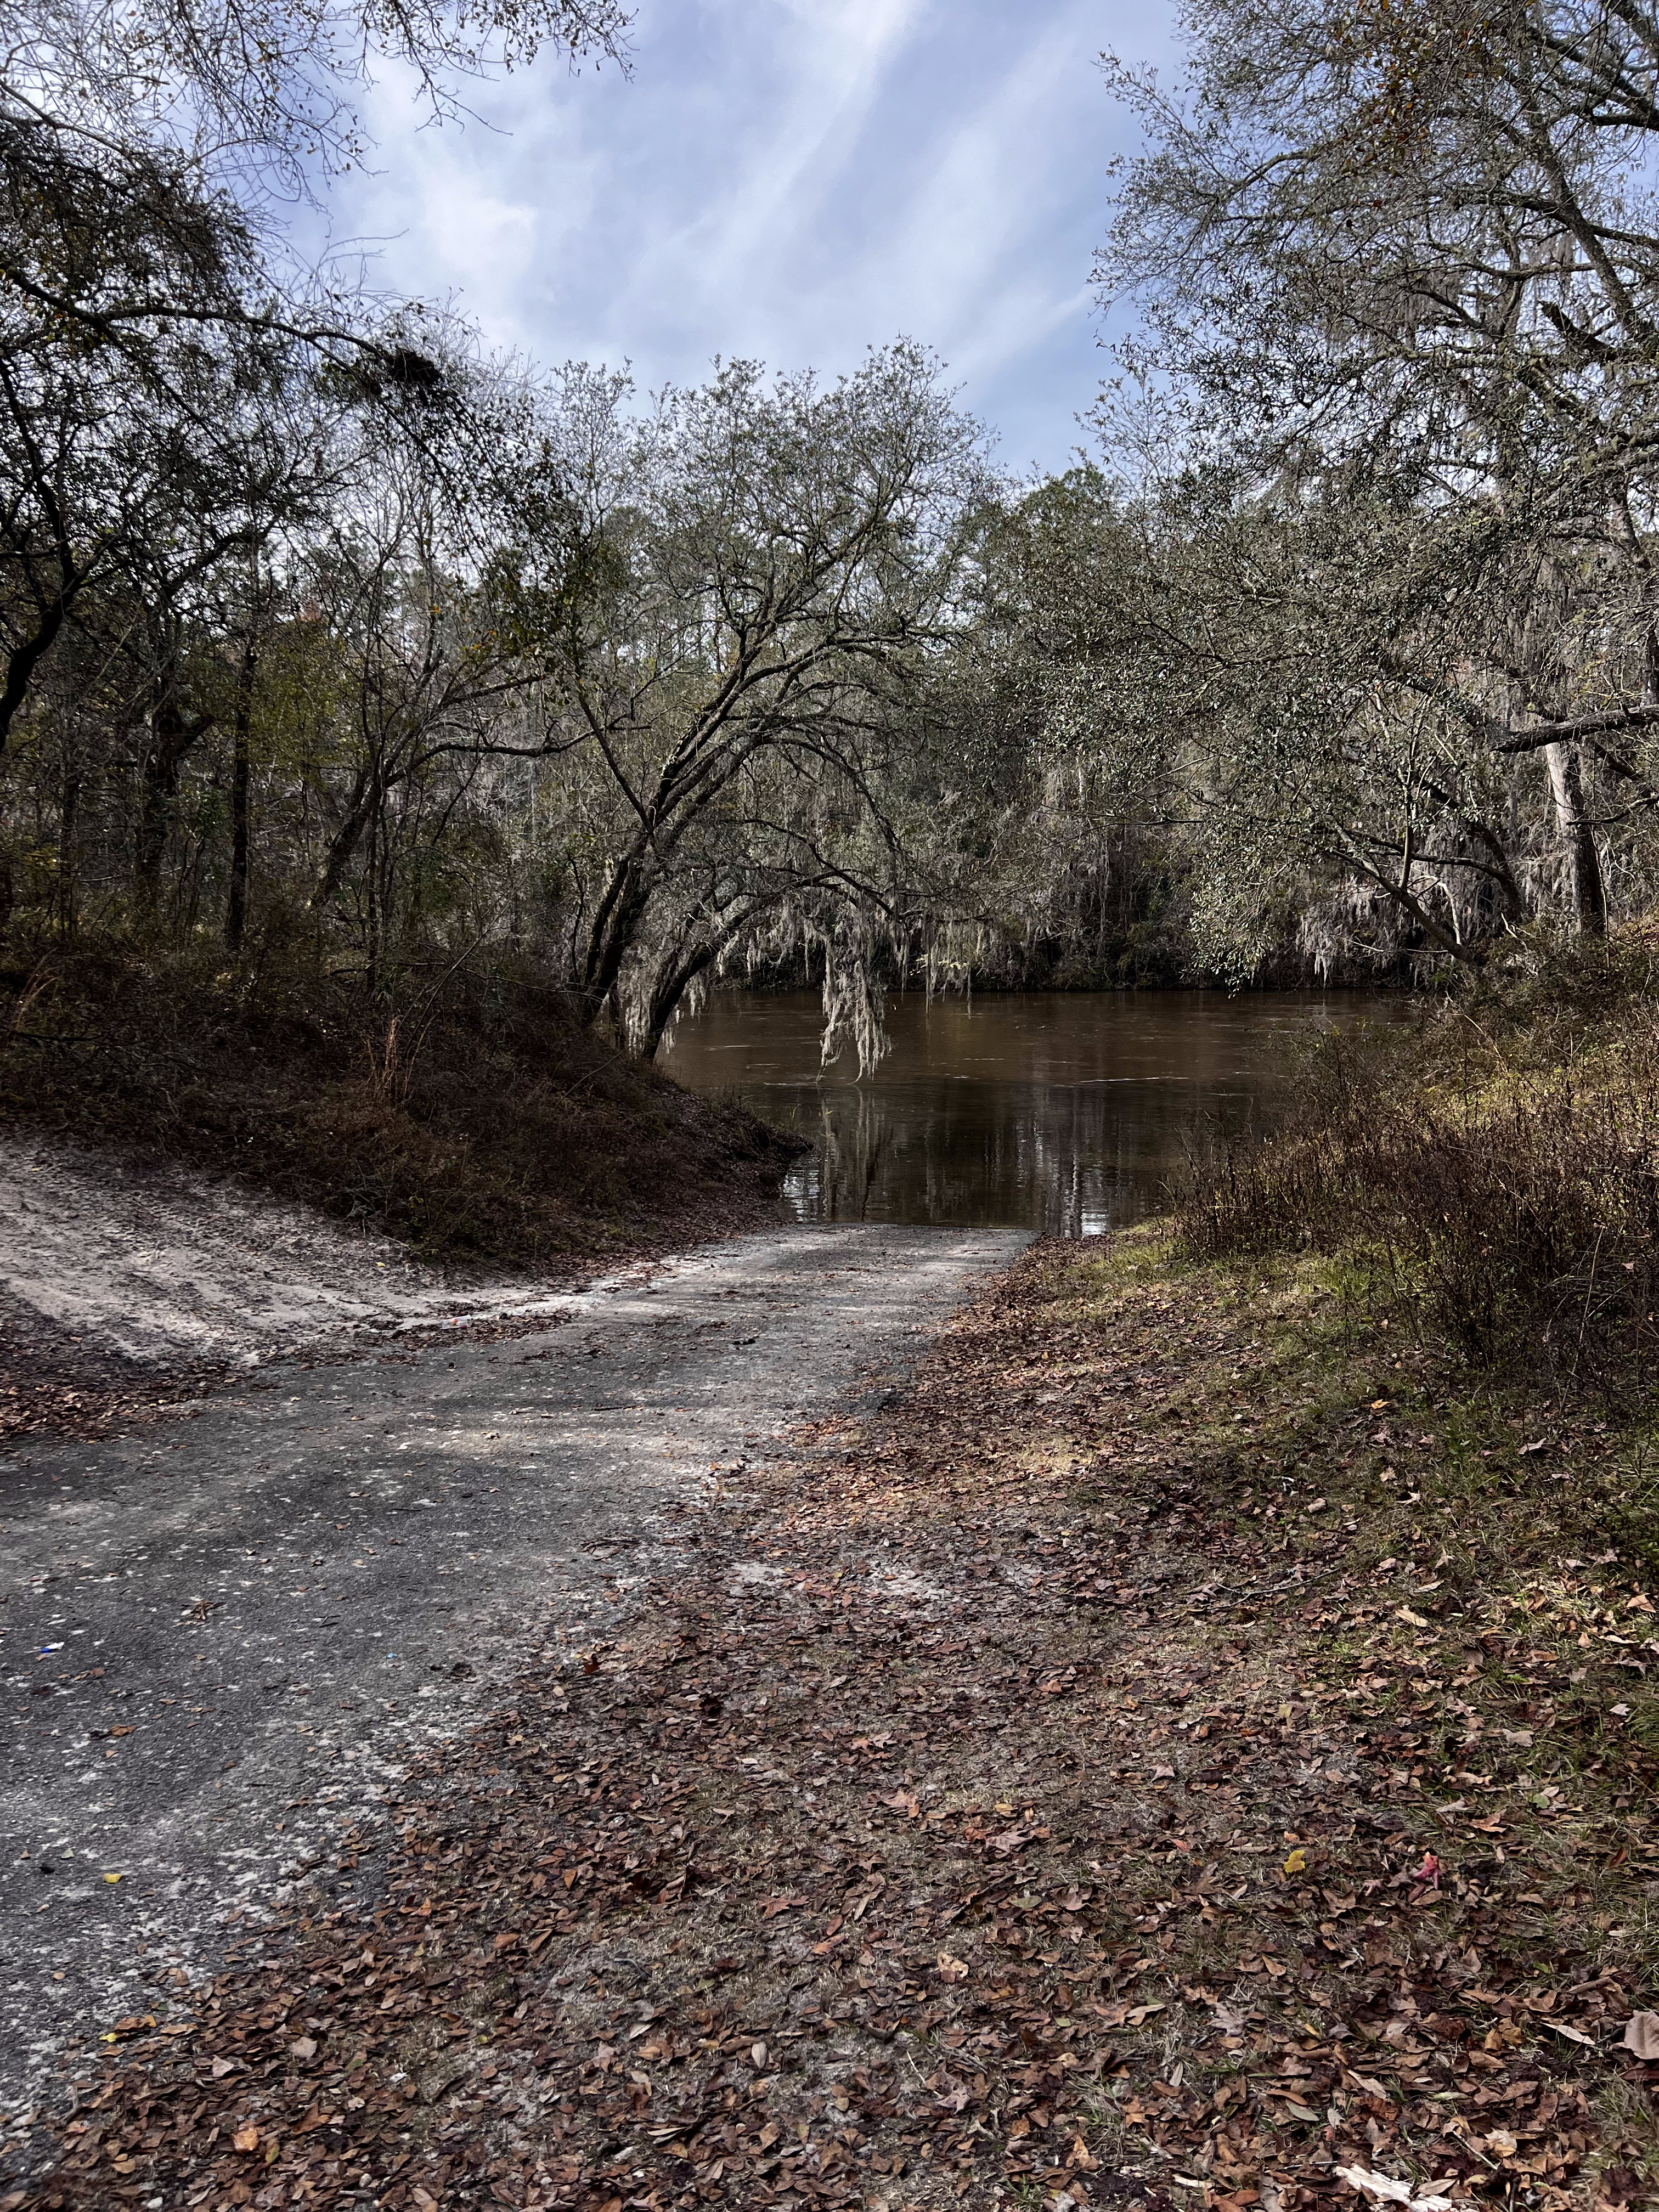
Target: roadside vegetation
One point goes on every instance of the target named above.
(1487, 1176)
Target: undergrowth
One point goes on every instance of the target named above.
(470, 1115)
(1487, 1177)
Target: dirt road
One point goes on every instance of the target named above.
(225, 1635)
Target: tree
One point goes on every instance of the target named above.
(747, 585)
(169, 380)
(1401, 262)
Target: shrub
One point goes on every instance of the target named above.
(1493, 1170)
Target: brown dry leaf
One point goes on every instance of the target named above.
(246, 2138)
(951, 1970)
(1642, 2035)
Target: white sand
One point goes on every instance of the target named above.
(166, 1267)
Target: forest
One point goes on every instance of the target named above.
(1074, 1631)
(335, 644)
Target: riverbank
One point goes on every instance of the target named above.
(1183, 1747)
(467, 1115)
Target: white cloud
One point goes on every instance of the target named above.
(795, 180)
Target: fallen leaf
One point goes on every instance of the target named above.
(1371, 2086)
(951, 1970)
(305, 2047)
(1386, 2189)
(1501, 2143)
(246, 2138)
(1642, 2035)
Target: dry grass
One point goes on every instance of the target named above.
(1491, 1178)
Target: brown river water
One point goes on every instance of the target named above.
(1067, 1112)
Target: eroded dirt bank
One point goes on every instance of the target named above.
(128, 1285)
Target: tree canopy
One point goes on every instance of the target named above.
(320, 627)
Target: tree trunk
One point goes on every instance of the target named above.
(673, 980)
(172, 734)
(20, 669)
(615, 930)
(69, 808)
(236, 904)
(367, 792)
(1589, 893)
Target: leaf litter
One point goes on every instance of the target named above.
(1081, 1810)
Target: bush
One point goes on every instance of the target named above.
(1492, 1170)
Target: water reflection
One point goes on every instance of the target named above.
(1062, 1111)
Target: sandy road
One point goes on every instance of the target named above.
(222, 1637)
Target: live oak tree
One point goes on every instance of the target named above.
(750, 580)
(1400, 264)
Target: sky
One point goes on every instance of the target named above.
(786, 180)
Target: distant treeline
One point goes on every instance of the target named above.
(331, 641)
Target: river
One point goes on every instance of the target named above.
(1067, 1112)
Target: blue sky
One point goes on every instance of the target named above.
(791, 180)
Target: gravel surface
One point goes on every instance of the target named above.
(223, 1636)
